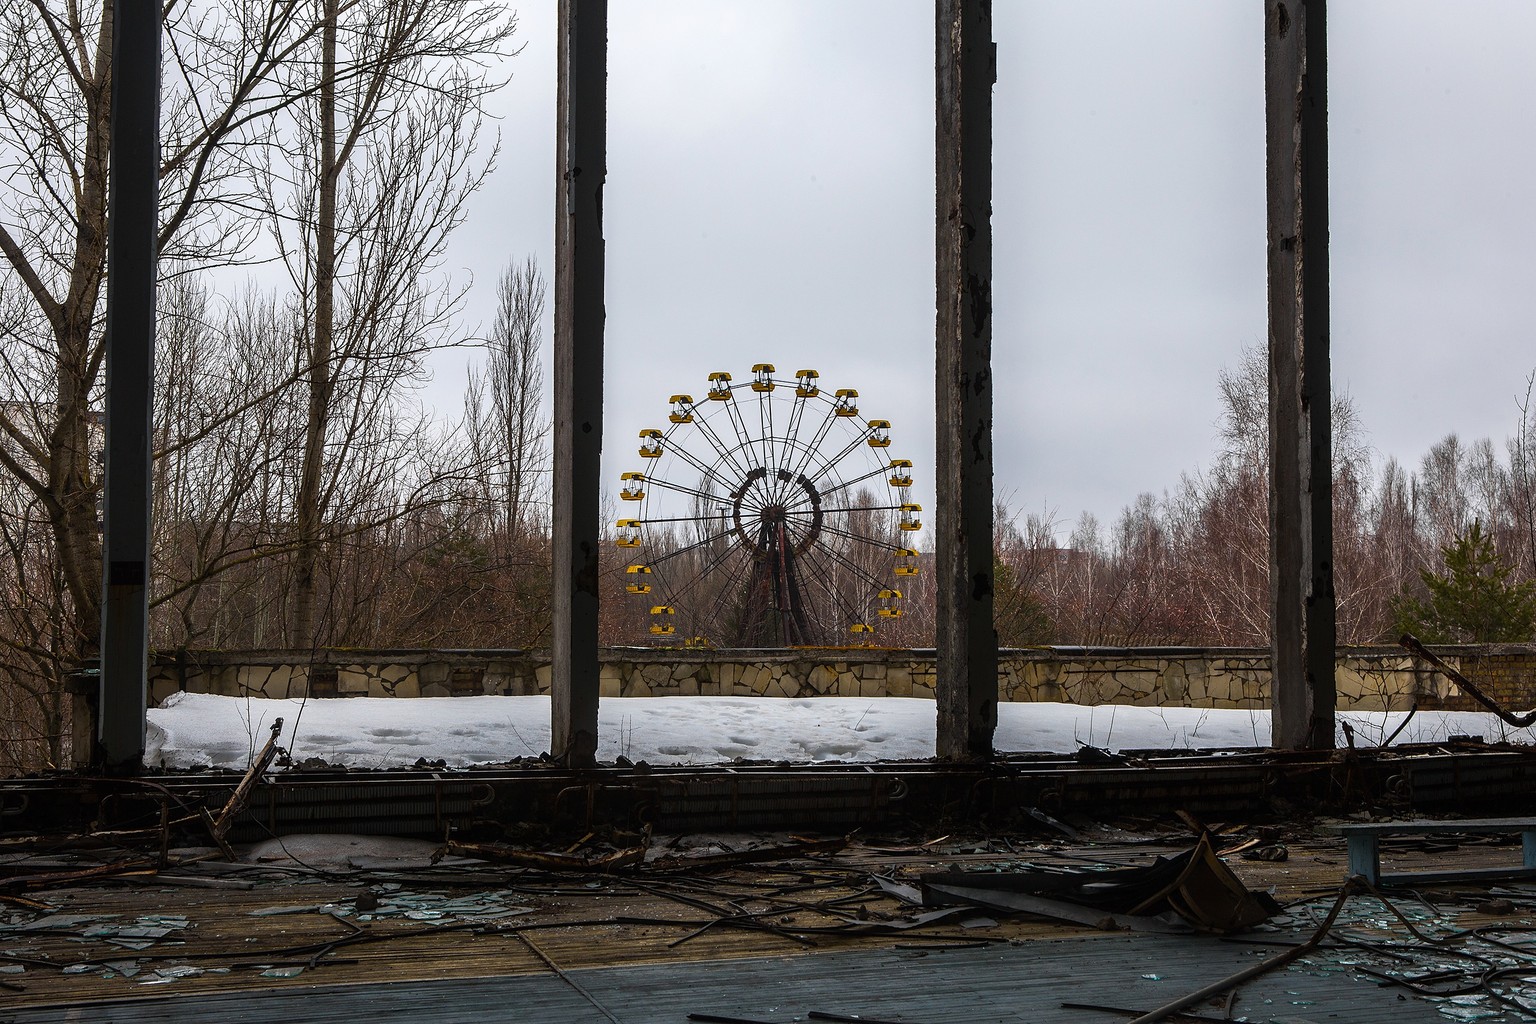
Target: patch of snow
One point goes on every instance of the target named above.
(194, 729)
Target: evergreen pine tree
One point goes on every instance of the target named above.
(1473, 601)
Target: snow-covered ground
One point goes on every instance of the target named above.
(193, 730)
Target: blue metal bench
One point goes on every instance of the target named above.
(1365, 852)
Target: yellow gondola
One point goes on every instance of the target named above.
(651, 449)
(719, 386)
(861, 627)
(764, 380)
(629, 533)
(807, 387)
(887, 610)
(682, 409)
(909, 520)
(907, 564)
(899, 475)
(638, 587)
(846, 404)
(632, 491)
(879, 433)
(662, 628)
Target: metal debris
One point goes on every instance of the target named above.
(1194, 885)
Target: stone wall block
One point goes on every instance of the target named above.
(352, 680)
(1174, 682)
(822, 680)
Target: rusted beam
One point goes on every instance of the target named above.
(1412, 644)
(504, 854)
(965, 636)
(132, 262)
(581, 166)
(1302, 627)
(219, 827)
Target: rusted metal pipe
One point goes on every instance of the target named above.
(1412, 644)
(1263, 967)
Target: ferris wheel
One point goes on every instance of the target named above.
(768, 515)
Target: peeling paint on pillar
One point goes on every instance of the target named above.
(581, 169)
(966, 68)
(1302, 601)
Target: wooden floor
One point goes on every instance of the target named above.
(962, 986)
(468, 942)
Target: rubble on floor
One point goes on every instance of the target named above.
(85, 919)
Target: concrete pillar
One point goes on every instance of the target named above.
(132, 255)
(1302, 630)
(966, 637)
(581, 166)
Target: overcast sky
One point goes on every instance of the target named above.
(770, 198)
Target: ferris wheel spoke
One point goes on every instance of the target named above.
(659, 565)
(791, 435)
(726, 453)
(677, 519)
(753, 499)
(692, 460)
(853, 567)
(807, 499)
(838, 598)
(861, 538)
(680, 489)
(738, 424)
(793, 447)
(765, 425)
(827, 466)
(686, 549)
(690, 577)
(843, 509)
(703, 573)
(878, 471)
(821, 433)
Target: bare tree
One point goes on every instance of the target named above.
(509, 428)
(1441, 494)
(220, 95)
(377, 164)
(1522, 474)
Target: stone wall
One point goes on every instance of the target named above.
(1368, 678)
